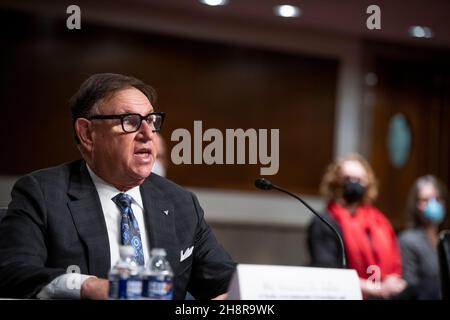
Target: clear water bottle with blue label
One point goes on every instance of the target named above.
(157, 283)
(125, 281)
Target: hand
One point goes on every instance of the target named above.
(94, 289)
(391, 286)
(222, 296)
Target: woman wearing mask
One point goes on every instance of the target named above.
(371, 246)
(426, 209)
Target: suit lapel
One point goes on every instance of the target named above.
(160, 226)
(89, 220)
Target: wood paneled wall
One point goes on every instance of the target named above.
(225, 86)
(415, 83)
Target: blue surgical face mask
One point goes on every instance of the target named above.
(434, 211)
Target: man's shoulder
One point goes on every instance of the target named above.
(326, 216)
(167, 186)
(410, 237)
(157, 187)
(53, 175)
(319, 227)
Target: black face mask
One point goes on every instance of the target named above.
(353, 192)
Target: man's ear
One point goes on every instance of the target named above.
(83, 130)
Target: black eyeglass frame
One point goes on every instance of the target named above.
(124, 115)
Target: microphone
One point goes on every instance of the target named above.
(264, 184)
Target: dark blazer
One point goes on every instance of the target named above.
(55, 220)
(323, 244)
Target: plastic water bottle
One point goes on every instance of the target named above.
(157, 281)
(125, 281)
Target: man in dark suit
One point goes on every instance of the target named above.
(72, 217)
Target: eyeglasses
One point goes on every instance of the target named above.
(131, 122)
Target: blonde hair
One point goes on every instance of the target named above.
(331, 185)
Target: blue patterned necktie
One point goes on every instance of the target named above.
(129, 228)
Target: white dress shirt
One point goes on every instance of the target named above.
(67, 286)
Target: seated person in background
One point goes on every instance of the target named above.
(79, 213)
(350, 187)
(426, 209)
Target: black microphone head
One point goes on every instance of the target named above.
(263, 184)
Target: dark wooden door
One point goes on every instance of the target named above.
(419, 90)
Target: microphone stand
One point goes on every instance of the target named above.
(264, 184)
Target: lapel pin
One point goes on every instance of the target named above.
(166, 212)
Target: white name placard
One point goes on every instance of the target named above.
(269, 282)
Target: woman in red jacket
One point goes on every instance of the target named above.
(370, 242)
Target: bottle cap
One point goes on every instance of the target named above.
(158, 252)
(126, 251)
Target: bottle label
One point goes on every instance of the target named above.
(134, 288)
(158, 287)
(114, 289)
(118, 288)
